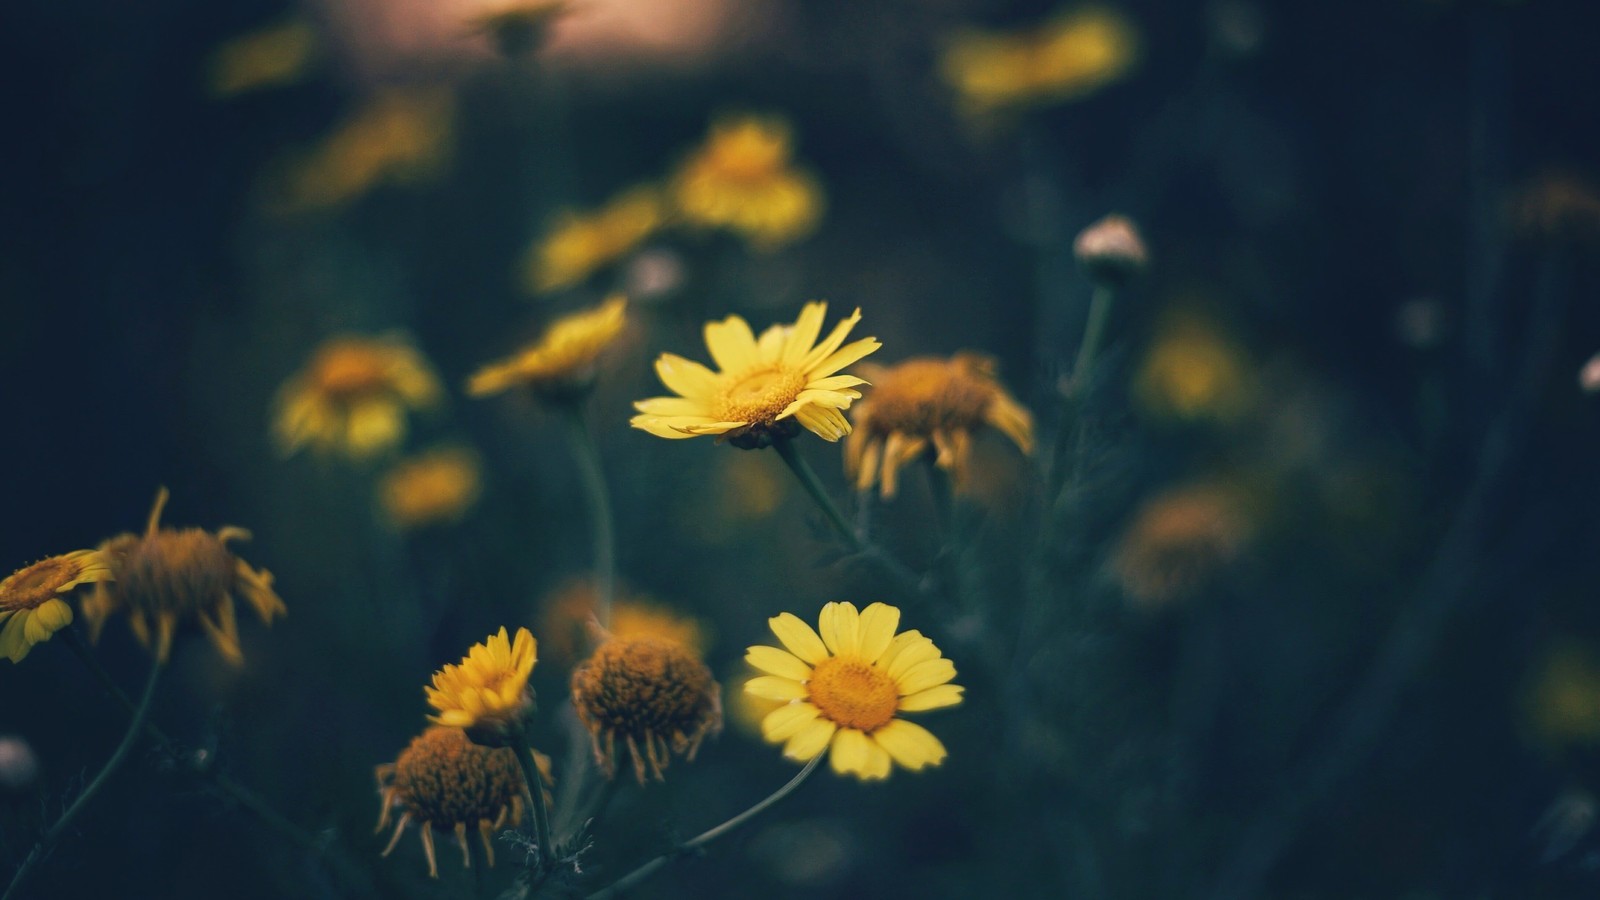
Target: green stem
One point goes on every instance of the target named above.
(534, 783)
(1093, 332)
(135, 729)
(808, 479)
(602, 530)
(479, 865)
(638, 875)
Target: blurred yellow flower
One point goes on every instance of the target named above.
(269, 57)
(742, 179)
(1193, 370)
(653, 693)
(400, 137)
(764, 387)
(562, 361)
(352, 396)
(580, 244)
(928, 403)
(431, 489)
(1179, 543)
(570, 610)
(1563, 702)
(443, 780)
(1067, 57)
(168, 575)
(487, 693)
(845, 687)
(33, 602)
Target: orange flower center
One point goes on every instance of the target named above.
(760, 395)
(921, 396)
(853, 694)
(177, 570)
(349, 370)
(30, 587)
(748, 154)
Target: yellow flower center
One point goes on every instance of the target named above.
(351, 371)
(921, 396)
(854, 694)
(749, 153)
(30, 587)
(759, 396)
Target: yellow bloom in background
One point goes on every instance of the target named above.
(1179, 543)
(1193, 370)
(845, 687)
(569, 613)
(766, 388)
(400, 137)
(926, 404)
(1070, 56)
(33, 602)
(270, 57)
(652, 693)
(352, 396)
(443, 780)
(742, 179)
(167, 576)
(434, 488)
(487, 693)
(579, 244)
(563, 359)
(1562, 702)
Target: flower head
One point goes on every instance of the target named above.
(437, 487)
(33, 602)
(1179, 543)
(353, 395)
(568, 620)
(445, 781)
(1066, 58)
(1193, 371)
(562, 361)
(742, 179)
(926, 404)
(167, 576)
(1111, 250)
(846, 687)
(766, 387)
(649, 691)
(276, 55)
(579, 244)
(487, 693)
(400, 137)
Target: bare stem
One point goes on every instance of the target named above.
(534, 783)
(632, 879)
(808, 480)
(602, 531)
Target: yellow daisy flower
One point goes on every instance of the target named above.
(278, 55)
(487, 693)
(648, 691)
(844, 688)
(167, 575)
(741, 179)
(434, 488)
(926, 404)
(1068, 57)
(399, 137)
(353, 395)
(32, 599)
(580, 244)
(443, 780)
(1194, 370)
(562, 361)
(766, 388)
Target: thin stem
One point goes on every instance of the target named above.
(808, 479)
(135, 729)
(602, 530)
(534, 783)
(480, 866)
(1093, 332)
(638, 875)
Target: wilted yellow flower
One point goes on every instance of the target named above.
(33, 602)
(1193, 370)
(845, 688)
(400, 137)
(434, 488)
(353, 395)
(1179, 543)
(926, 404)
(764, 387)
(648, 691)
(269, 57)
(168, 575)
(443, 780)
(1070, 56)
(580, 244)
(742, 179)
(569, 614)
(519, 26)
(487, 693)
(562, 361)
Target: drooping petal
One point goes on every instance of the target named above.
(799, 637)
(786, 721)
(777, 662)
(811, 739)
(911, 745)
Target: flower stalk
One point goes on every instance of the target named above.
(533, 783)
(602, 529)
(808, 480)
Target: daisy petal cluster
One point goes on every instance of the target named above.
(487, 692)
(33, 602)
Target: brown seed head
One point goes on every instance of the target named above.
(647, 690)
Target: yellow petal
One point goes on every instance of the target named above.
(912, 654)
(778, 662)
(855, 754)
(675, 406)
(901, 641)
(925, 675)
(911, 745)
(786, 721)
(772, 687)
(731, 343)
(835, 338)
(877, 626)
(839, 628)
(827, 424)
(13, 646)
(661, 427)
(799, 638)
(846, 355)
(685, 376)
(804, 334)
(810, 740)
(936, 697)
